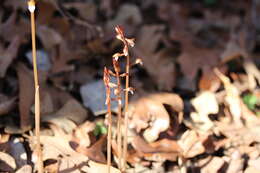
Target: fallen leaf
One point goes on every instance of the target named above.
(7, 162)
(49, 37)
(255, 163)
(191, 144)
(57, 147)
(94, 152)
(26, 95)
(236, 163)
(86, 10)
(205, 104)
(148, 39)
(8, 56)
(98, 167)
(14, 24)
(161, 150)
(232, 98)
(128, 16)
(81, 134)
(25, 169)
(214, 165)
(71, 114)
(150, 111)
(6, 104)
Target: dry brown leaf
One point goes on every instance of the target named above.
(57, 147)
(205, 104)
(161, 150)
(255, 163)
(16, 4)
(81, 134)
(95, 167)
(8, 56)
(6, 104)
(86, 10)
(236, 163)
(7, 163)
(192, 59)
(26, 95)
(25, 169)
(93, 152)
(214, 165)
(49, 37)
(48, 8)
(209, 81)
(159, 64)
(69, 116)
(128, 16)
(232, 97)
(13, 24)
(150, 111)
(191, 144)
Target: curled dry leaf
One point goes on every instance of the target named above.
(205, 104)
(57, 147)
(71, 114)
(94, 152)
(81, 134)
(150, 114)
(7, 163)
(232, 97)
(161, 150)
(191, 144)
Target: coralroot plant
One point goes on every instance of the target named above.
(122, 148)
(31, 7)
(106, 79)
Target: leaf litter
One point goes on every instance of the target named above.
(196, 102)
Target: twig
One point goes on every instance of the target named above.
(31, 7)
(106, 79)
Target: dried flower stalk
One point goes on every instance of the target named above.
(106, 79)
(127, 42)
(31, 8)
(122, 149)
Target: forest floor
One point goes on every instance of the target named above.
(196, 101)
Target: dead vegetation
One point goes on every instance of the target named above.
(195, 106)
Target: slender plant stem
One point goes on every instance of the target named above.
(109, 136)
(126, 111)
(31, 6)
(119, 127)
(106, 79)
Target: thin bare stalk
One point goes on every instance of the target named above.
(127, 42)
(126, 112)
(108, 103)
(119, 101)
(31, 7)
